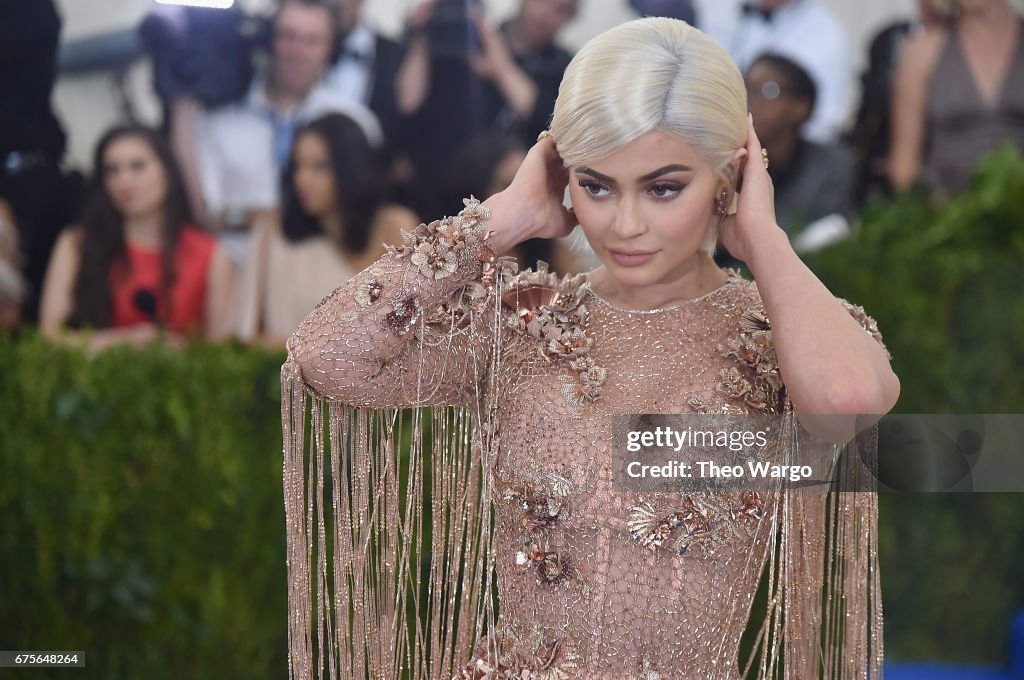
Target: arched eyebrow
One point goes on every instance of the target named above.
(665, 170)
(595, 174)
(675, 167)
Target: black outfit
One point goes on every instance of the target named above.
(818, 182)
(383, 102)
(870, 135)
(461, 106)
(32, 142)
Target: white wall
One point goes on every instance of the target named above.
(89, 104)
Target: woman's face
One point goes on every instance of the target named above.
(646, 208)
(134, 178)
(314, 178)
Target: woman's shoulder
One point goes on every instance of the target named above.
(922, 50)
(391, 218)
(71, 238)
(396, 213)
(752, 315)
(539, 286)
(194, 238)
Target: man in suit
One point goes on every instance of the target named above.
(803, 30)
(364, 66)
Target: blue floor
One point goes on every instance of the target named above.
(942, 671)
(935, 671)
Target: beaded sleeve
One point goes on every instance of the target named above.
(402, 332)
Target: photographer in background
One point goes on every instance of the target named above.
(365, 66)
(462, 76)
(233, 155)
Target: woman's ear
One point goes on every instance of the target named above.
(736, 165)
(732, 176)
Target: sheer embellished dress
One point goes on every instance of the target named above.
(482, 536)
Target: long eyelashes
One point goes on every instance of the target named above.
(662, 191)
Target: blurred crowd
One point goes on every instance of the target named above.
(252, 203)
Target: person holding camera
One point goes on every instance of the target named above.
(234, 154)
(462, 76)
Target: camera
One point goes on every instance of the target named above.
(451, 31)
(202, 52)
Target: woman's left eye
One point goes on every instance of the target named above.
(665, 190)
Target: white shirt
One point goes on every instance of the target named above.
(801, 30)
(352, 78)
(238, 163)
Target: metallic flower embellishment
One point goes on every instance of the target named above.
(435, 261)
(733, 383)
(692, 523)
(528, 299)
(648, 528)
(474, 213)
(404, 316)
(754, 321)
(594, 376)
(508, 658)
(759, 383)
(569, 344)
(751, 506)
(368, 292)
(647, 671)
(548, 566)
(550, 311)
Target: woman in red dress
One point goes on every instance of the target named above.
(136, 267)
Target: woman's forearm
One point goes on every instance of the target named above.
(829, 363)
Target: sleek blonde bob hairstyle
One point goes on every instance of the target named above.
(652, 74)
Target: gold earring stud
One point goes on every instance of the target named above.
(722, 204)
(543, 135)
(764, 155)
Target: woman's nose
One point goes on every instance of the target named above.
(629, 223)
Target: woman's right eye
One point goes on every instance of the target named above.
(595, 189)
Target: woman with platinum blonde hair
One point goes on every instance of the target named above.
(465, 506)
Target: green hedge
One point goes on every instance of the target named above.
(944, 284)
(141, 517)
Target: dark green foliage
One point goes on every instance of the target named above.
(141, 517)
(944, 284)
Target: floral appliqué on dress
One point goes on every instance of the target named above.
(508, 657)
(550, 312)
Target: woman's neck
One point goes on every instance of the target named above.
(996, 15)
(145, 231)
(703, 277)
(333, 227)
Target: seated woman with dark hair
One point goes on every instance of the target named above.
(136, 267)
(334, 224)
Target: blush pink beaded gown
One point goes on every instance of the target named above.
(481, 536)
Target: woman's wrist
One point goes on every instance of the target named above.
(770, 251)
(509, 224)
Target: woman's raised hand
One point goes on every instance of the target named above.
(754, 220)
(531, 207)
